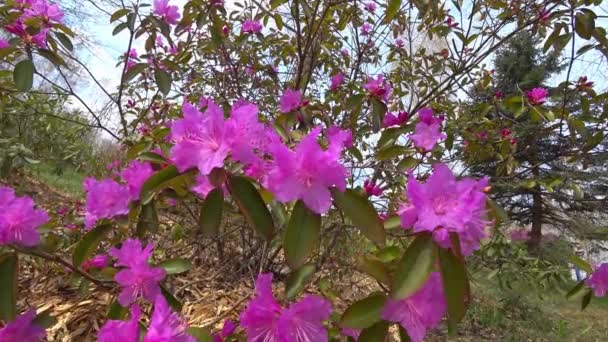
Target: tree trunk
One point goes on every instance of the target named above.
(537, 224)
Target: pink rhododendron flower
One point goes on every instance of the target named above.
(428, 131)
(203, 186)
(537, 96)
(336, 81)
(378, 87)
(399, 43)
(391, 119)
(339, 139)
(48, 12)
(445, 205)
(105, 199)
(121, 331)
(370, 6)
(4, 44)
(265, 320)
(544, 15)
(499, 95)
(505, 132)
(371, 188)
(451, 22)
(421, 311)
(138, 278)
(291, 100)
(201, 140)
(583, 83)
(22, 329)
(19, 219)
(306, 173)
(251, 26)
(249, 70)
(345, 52)
(227, 330)
(98, 261)
(166, 325)
(170, 14)
(135, 175)
(598, 281)
(366, 29)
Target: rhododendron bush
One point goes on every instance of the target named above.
(298, 117)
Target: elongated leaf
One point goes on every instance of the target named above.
(252, 206)
(119, 14)
(210, 217)
(302, 235)
(364, 313)
(89, 243)
(379, 109)
(392, 9)
(155, 182)
(375, 333)
(586, 299)
(163, 81)
(8, 286)
(374, 268)
(65, 40)
(584, 25)
(361, 212)
(135, 70)
(23, 75)
(578, 291)
(117, 311)
(173, 302)
(298, 279)
(392, 152)
(414, 267)
(176, 266)
(455, 284)
(152, 157)
(44, 319)
(582, 264)
(148, 220)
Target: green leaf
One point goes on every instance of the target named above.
(379, 109)
(354, 101)
(52, 57)
(65, 40)
(578, 291)
(586, 299)
(173, 302)
(117, 311)
(23, 75)
(200, 334)
(163, 80)
(374, 268)
(152, 157)
(581, 264)
(375, 333)
(584, 25)
(135, 70)
(119, 14)
(403, 336)
(301, 235)
(455, 283)
(210, 217)
(392, 152)
(414, 267)
(119, 28)
(515, 104)
(156, 182)
(148, 220)
(298, 279)
(392, 8)
(8, 286)
(392, 222)
(89, 243)
(252, 206)
(364, 313)
(44, 319)
(361, 212)
(176, 265)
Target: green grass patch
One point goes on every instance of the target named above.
(64, 179)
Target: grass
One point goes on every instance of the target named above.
(66, 180)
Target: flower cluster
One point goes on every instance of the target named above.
(251, 26)
(537, 96)
(19, 219)
(32, 14)
(23, 329)
(378, 87)
(336, 81)
(391, 119)
(137, 278)
(428, 131)
(105, 199)
(371, 188)
(598, 281)
(265, 320)
(291, 100)
(170, 14)
(445, 205)
(165, 325)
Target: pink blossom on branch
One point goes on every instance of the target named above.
(444, 205)
(48, 12)
(135, 175)
(391, 119)
(428, 131)
(170, 14)
(98, 261)
(251, 26)
(265, 320)
(201, 140)
(336, 81)
(19, 219)
(22, 329)
(370, 6)
(378, 87)
(537, 96)
(598, 281)
(366, 29)
(306, 173)
(105, 199)
(137, 278)
(371, 188)
(121, 331)
(291, 100)
(166, 325)
(421, 311)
